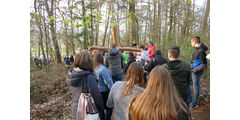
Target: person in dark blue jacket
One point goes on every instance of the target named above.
(83, 71)
(198, 64)
(67, 60)
(105, 81)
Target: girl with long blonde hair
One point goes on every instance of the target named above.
(122, 91)
(159, 100)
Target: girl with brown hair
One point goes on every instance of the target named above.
(122, 91)
(160, 99)
(104, 81)
(80, 77)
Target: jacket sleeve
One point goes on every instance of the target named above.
(96, 95)
(106, 61)
(107, 78)
(110, 101)
(149, 66)
(122, 58)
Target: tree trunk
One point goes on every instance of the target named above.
(38, 21)
(204, 23)
(133, 19)
(185, 22)
(97, 24)
(72, 45)
(53, 31)
(85, 32)
(159, 22)
(154, 21)
(91, 33)
(106, 24)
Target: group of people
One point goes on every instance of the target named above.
(40, 62)
(154, 88)
(68, 60)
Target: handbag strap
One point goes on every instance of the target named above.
(85, 85)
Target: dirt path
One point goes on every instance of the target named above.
(201, 113)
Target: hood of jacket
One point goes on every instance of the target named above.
(113, 53)
(76, 76)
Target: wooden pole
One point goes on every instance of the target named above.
(114, 29)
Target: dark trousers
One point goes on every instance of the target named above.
(117, 78)
(108, 110)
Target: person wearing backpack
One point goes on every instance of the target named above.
(122, 91)
(198, 65)
(79, 77)
(104, 81)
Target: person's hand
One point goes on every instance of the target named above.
(194, 70)
(191, 66)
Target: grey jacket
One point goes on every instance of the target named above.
(119, 102)
(114, 61)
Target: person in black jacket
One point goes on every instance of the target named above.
(71, 59)
(134, 44)
(81, 73)
(131, 59)
(180, 72)
(157, 60)
(198, 64)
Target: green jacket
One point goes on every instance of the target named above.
(181, 74)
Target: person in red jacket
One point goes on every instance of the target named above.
(151, 49)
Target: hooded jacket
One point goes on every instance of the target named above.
(114, 61)
(181, 74)
(76, 79)
(158, 60)
(199, 61)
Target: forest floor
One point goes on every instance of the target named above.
(50, 97)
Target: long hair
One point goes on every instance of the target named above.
(159, 100)
(83, 60)
(134, 77)
(97, 60)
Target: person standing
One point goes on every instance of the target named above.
(151, 49)
(114, 61)
(82, 72)
(67, 61)
(104, 81)
(180, 72)
(142, 56)
(71, 59)
(122, 91)
(158, 59)
(198, 65)
(130, 60)
(134, 44)
(159, 100)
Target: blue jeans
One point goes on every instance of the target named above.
(117, 77)
(196, 87)
(190, 95)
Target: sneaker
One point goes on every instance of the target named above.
(193, 107)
